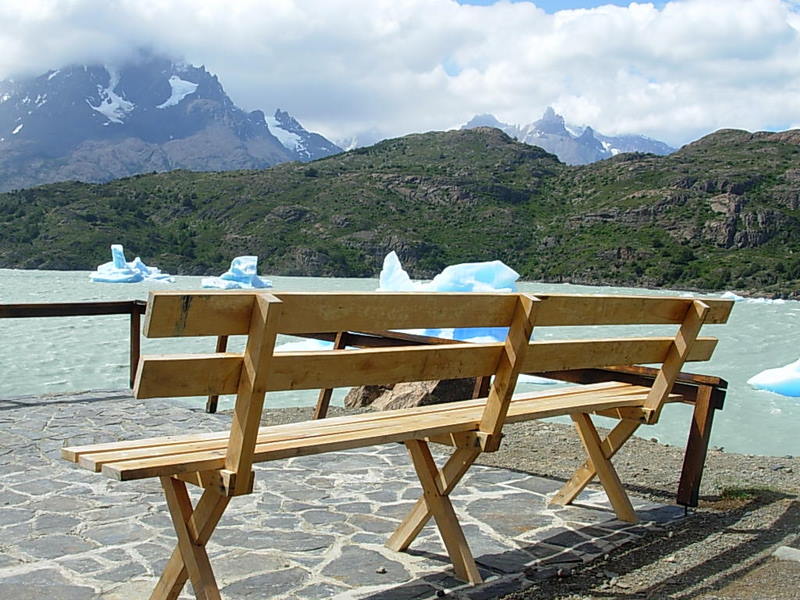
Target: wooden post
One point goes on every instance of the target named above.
(324, 399)
(211, 403)
(135, 342)
(697, 445)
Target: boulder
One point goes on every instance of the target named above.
(359, 397)
(423, 393)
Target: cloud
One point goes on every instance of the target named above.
(399, 66)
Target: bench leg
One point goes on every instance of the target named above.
(605, 470)
(193, 527)
(448, 476)
(439, 506)
(586, 472)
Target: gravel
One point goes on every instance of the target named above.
(749, 507)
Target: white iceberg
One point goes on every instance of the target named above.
(738, 298)
(783, 380)
(241, 276)
(492, 276)
(121, 271)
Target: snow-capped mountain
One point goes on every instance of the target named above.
(95, 123)
(573, 145)
(306, 145)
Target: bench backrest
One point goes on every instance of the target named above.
(262, 316)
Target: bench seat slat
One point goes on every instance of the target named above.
(289, 440)
(93, 457)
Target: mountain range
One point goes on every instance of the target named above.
(720, 213)
(572, 144)
(95, 123)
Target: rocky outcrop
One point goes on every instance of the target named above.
(410, 394)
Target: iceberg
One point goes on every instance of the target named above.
(121, 271)
(242, 275)
(783, 380)
(492, 276)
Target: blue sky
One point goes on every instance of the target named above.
(671, 70)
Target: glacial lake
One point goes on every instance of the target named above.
(55, 355)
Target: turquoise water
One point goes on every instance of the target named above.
(53, 355)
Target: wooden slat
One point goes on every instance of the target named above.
(174, 314)
(197, 376)
(272, 445)
(591, 309)
(228, 312)
(508, 368)
(160, 376)
(337, 424)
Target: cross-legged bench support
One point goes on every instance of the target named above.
(221, 462)
(193, 527)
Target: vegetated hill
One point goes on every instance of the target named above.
(721, 213)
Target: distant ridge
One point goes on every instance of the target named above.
(95, 123)
(721, 213)
(573, 145)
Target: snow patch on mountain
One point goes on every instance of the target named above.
(112, 106)
(180, 89)
(17, 129)
(289, 140)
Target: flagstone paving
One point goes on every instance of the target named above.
(314, 528)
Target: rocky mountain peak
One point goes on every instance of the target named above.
(98, 122)
(552, 133)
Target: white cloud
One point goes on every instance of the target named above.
(345, 66)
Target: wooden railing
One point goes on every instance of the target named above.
(134, 308)
(705, 393)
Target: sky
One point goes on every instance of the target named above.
(673, 70)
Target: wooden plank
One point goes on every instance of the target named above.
(324, 398)
(371, 311)
(605, 470)
(586, 472)
(442, 510)
(678, 353)
(596, 309)
(213, 399)
(176, 314)
(370, 433)
(201, 525)
(336, 424)
(193, 553)
(448, 477)
(202, 375)
(135, 345)
(696, 447)
(68, 309)
(179, 375)
(246, 419)
(508, 368)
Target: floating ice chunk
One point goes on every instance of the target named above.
(738, 298)
(783, 380)
(121, 271)
(732, 296)
(493, 276)
(393, 277)
(241, 276)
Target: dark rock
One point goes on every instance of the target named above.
(423, 393)
(358, 397)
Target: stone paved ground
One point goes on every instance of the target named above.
(314, 528)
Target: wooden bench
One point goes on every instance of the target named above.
(221, 463)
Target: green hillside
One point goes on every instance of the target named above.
(721, 213)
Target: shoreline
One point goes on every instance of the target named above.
(743, 294)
